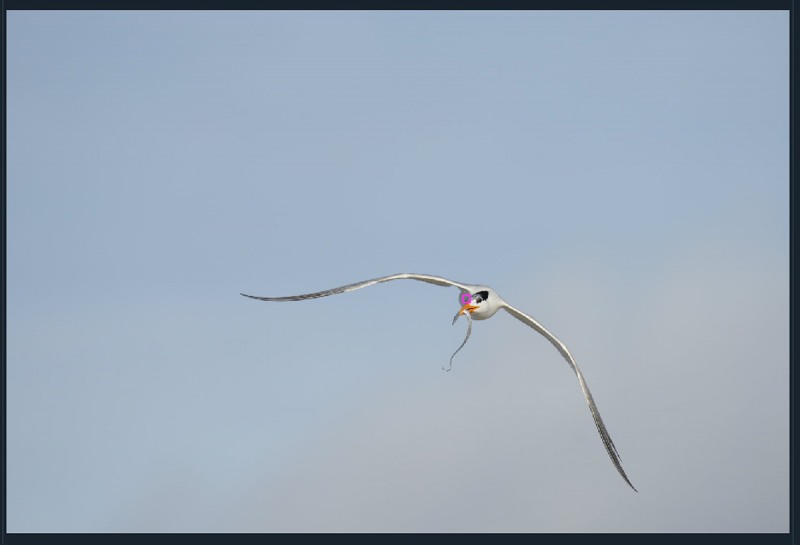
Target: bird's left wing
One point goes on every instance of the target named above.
(430, 279)
(562, 348)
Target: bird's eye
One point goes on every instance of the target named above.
(482, 296)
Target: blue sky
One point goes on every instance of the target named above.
(621, 176)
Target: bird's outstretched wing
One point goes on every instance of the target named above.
(437, 280)
(598, 421)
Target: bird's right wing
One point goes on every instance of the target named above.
(562, 348)
(436, 280)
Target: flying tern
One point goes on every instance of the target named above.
(482, 303)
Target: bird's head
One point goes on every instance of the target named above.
(480, 303)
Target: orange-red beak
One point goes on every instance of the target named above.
(469, 307)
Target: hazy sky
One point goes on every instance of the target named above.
(621, 176)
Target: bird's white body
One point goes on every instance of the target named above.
(483, 304)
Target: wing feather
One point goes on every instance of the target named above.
(430, 279)
(598, 421)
